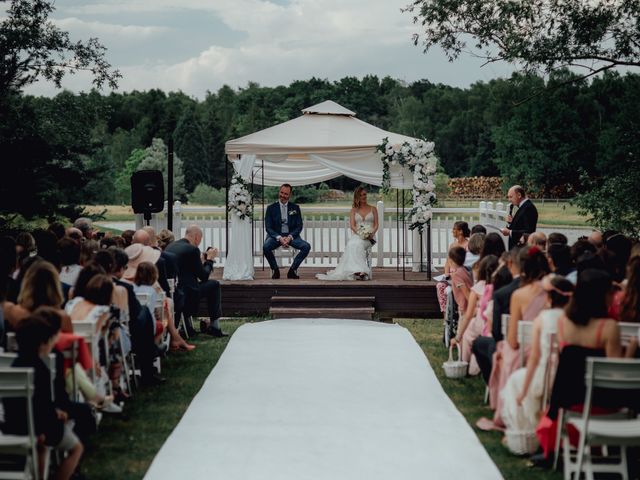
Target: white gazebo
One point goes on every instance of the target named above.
(325, 142)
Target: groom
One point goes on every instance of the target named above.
(283, 222)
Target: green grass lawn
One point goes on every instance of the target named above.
(126, 444)
(551, 213)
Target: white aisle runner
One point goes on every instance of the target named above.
(322, 399)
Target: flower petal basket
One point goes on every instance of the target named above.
(455, 368)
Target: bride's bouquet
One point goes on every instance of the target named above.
(365, 233)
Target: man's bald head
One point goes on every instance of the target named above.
(153, 239)
(595, 239)
(73, 232)
(141, 236)
(193, 234)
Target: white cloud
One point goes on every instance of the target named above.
(106, 31)
(279, 43)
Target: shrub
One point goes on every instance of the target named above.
(205, 194)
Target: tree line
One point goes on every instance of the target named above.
(559, 136)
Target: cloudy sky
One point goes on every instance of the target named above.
(200, 45)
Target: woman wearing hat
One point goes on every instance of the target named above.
(141, 254)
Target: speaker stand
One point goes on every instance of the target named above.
(147, 216)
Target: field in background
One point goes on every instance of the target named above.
(552, 213)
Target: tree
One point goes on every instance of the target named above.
(155, 158)
(190, 146)
(537, 34)
(33, 47)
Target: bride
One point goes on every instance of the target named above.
(353, 265)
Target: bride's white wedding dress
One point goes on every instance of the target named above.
(354, 258)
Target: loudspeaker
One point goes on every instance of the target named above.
(147, 191)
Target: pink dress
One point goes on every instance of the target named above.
(473, 331)
(511, 360)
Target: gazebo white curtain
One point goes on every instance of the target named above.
(239, 263)
(362, 165)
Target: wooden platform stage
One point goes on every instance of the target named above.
(388, 293)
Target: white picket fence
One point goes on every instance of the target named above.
(328, 236)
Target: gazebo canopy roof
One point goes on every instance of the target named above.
(326, 141)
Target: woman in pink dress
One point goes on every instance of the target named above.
(526, 303)
(472, 323)
(460, 234)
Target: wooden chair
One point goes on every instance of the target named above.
(18, 383)
(596, 430)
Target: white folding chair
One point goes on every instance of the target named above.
(604, 431)
(628, 331)
(525, 337)
(550, 371)
(504, 324)
(18, 383)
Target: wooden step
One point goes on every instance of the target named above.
(322, 301)
(365, 313)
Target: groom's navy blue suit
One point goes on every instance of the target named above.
(274, 223)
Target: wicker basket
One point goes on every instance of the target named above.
(521, 442)
(455, 368)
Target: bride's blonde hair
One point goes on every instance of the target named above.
(356, 196)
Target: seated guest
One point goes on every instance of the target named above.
(165, 237)
(596, 239)
(493, 245)
(80, 412)
(618, 247)
(485, 347)
(559, 257)
(147, 237)
(36, 338)
(74, 234)
(627, 301)
(88, 249)
(557, 237)
(522, 395)
(474, 247)
(461, 281)
(478, 229)
(193, 278)
(47, 246)
(583, 331)
(41, 287)
(461, 239)
(128, 237)
(146, 281)
(472, 322)
(538, 239)
(526, 303)
(70, 260)
(141, 321)
(57, 228)
(85, 225)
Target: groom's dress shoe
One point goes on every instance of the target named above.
(293, 274)
(275, 274)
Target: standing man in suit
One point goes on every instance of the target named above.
(525, 218)
(193, 278)
(283, 223)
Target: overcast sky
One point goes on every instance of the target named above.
(200, 45)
